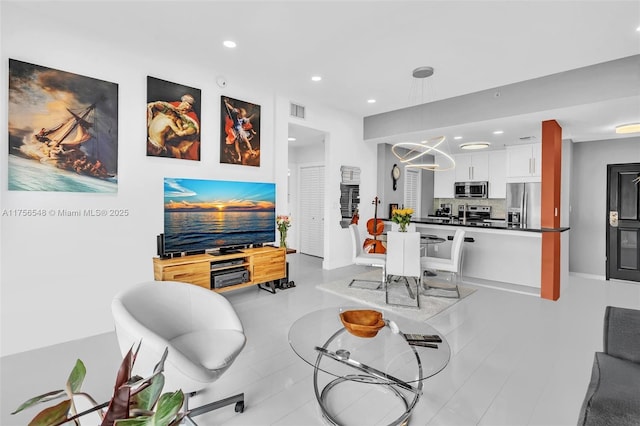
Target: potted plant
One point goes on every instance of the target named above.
(283, 222)
(402, 217)
(136, 401)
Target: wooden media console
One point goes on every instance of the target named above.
(263, 264)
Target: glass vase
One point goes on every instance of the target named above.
(283, 239)
(403, 227)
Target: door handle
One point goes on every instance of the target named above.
(613, 219)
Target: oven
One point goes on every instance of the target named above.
(474, 215)
(471, 189)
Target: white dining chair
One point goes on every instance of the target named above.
(403, 264)
(451, 264)
(359, 257)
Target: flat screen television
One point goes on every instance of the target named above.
(202, 215)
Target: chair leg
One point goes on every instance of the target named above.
(237, 399)
(406, 284)
(380, 283)
(436, 291)
(412, 295)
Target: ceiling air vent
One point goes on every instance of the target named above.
(527, 138)
(296, 110)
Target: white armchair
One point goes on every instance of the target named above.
(368, 259)
(199, 327)
(403, 262)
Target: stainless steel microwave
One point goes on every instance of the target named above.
(471, 189)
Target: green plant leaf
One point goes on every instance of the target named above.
(45, 397)
(168, 406)
(148, 421)
(74, 382)
(52, 415)
(137, 421)
(178, 420)
(146, 399)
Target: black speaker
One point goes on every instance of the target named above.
(160, 244)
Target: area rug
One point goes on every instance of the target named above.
(429, 305)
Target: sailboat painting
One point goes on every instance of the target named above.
(63, 131)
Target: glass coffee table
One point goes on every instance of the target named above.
(387, 360)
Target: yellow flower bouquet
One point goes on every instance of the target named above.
(402, 217)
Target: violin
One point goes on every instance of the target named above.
(355, 218)
(375, 227)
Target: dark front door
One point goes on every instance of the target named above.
(623, 221)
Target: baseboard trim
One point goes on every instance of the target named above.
(590, 276)
(499, 285)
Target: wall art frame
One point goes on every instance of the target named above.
(63, 131)
(173, 120)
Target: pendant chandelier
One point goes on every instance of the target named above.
(414, 154)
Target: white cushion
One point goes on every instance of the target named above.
(213, 349)
(374, 259)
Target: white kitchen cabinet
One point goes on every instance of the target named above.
(497, 174)
(443, 181)
(524, 163)
(472, 167)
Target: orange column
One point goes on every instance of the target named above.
(550, 209)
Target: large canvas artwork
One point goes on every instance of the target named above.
(173, 120)
(239, 132)
(63, 131)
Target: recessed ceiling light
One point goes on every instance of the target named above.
(229, 43)
(475, 145)
(457, 138)
(498, 132)
(638, 29)
(628, 128)
(316, 78)
(290, 139)
(371, 101)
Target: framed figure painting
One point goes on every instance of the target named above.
(173, 120)
(239, 132)
(392, 207)
(63, 131)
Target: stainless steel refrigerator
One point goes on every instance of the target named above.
(523, 204)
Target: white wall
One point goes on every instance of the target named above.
(58, 275)
(589, 200)
(343, 145)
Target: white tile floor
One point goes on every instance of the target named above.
(516, 359)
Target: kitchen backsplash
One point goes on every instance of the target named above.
(498, 205)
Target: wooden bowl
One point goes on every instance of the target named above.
(362, 322)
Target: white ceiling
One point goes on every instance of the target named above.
(368, 49)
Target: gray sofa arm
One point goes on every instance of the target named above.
(622, 333)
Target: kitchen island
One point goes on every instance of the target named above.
(498, 252)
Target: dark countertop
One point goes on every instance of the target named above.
(437, 221)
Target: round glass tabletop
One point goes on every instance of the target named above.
(320, 339)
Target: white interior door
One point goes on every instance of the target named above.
(412, 191)
(312, 210)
